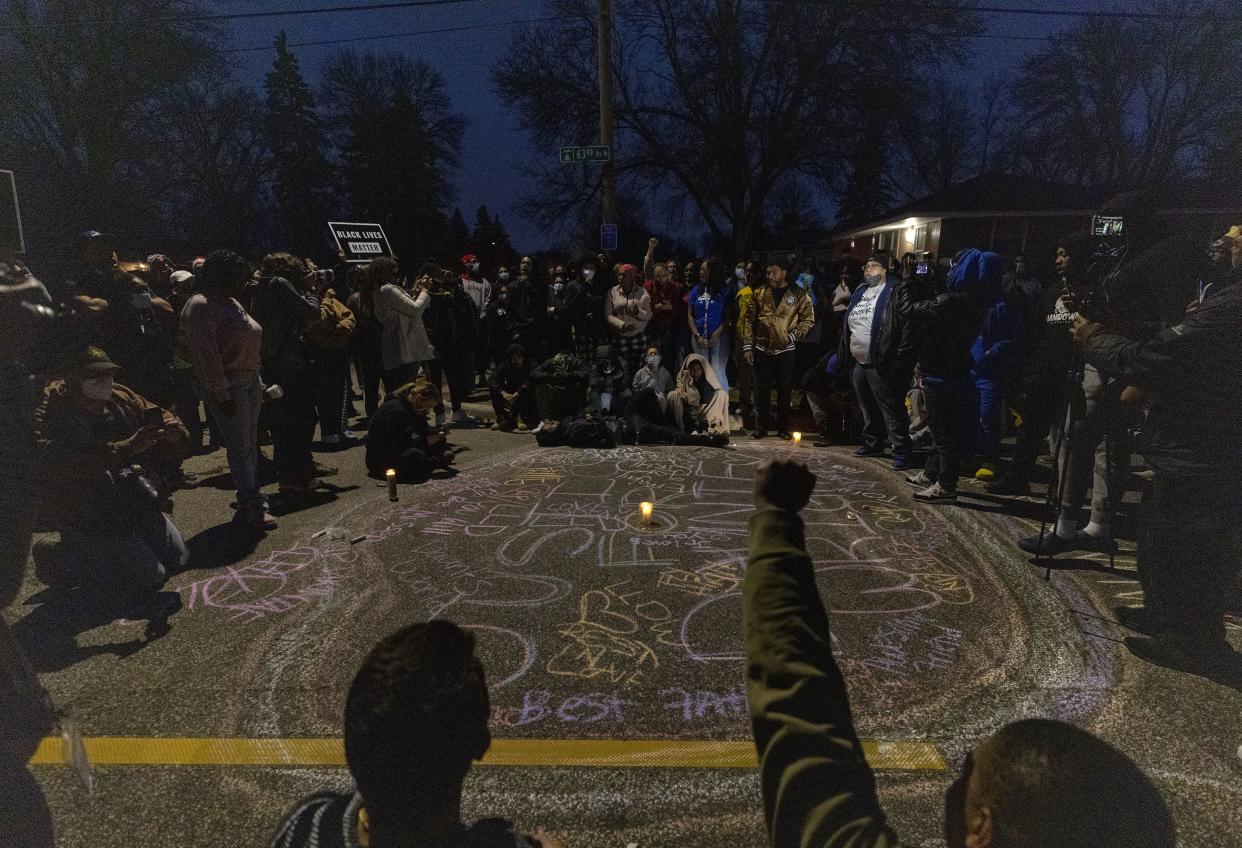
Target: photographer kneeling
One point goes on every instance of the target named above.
(1190, 540)
(100, 444)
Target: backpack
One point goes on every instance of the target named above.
(335, 326)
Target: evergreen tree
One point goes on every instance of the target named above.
(460, 241)
(398, 139)
(501, 246)
(302, 184)
(867, 190)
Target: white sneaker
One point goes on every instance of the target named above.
(935, 493)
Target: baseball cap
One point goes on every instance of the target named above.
(468, 258)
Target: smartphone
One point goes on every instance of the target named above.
(921, 269)
(153, 417)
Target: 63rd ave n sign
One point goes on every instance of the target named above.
(594, 153)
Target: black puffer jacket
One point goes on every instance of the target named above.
(1193, 375)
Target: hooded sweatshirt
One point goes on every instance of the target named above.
(945, 327)
(688, 401)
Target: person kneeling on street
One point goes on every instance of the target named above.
(101, 446)
(561, 387)
(416, 718)
(401, 438)
(513, 392)
(699, 403)
(1036, 783)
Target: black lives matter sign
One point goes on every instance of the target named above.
(11, 240)
(360, 242)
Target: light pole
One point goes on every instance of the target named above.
(606, 119)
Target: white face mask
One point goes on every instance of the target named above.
(654, 360)
(588, 275)
(504, 276)
(98, 388)
(740, 273)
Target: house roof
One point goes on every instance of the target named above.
(1010, 195)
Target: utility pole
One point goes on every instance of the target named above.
(606, 119)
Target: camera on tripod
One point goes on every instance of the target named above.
(1103, 265)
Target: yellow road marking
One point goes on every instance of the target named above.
(591, 753)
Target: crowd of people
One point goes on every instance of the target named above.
(126, 369)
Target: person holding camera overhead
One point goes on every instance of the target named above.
(100, 447)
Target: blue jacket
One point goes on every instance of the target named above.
(708, 315)
(995, 352)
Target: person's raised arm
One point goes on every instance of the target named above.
(817, 787)
(649, 259)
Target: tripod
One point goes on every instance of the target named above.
(1074, 414)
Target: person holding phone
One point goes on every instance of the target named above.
(101, 446)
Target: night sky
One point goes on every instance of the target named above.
(493, 146)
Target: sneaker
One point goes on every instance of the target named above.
(1009, 484)
(986, 471)
(867, 450)
(331, 441)
(325, 470)
(901, 461)
(460, 418)
(760, 433)
(1050, 544)
(935, 493)
(919, 480)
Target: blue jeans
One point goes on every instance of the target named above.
(126, 560)
(240, 433)
(988, 422)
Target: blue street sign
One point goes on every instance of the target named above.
(609, 238)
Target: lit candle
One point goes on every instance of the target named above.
(391, 474)
(797, 438)
(646, 508)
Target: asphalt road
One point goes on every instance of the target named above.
(594, 627)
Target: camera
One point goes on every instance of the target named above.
(137, 488)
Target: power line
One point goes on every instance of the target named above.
(241, 16)
(401, 34)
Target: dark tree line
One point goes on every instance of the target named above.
(732, 112)
(139, 130)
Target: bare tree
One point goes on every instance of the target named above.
(717, 101)
(1112, 103)
(78, 85)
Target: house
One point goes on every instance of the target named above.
(1013, 214)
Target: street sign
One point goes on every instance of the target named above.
(360, 242)
(11, 240)
(609, 238)
(595, 153)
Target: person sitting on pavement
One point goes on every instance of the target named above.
(1035, 783)
(416, 717)
(653, 375)
(101, 446)
(513, 392)
(402, 439)
(561, 386)
(699, 403)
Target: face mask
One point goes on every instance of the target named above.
(654, 360)
(504, 276)
(588, 275)
(804, 280)
(474, 266)
(100, 388)
(740, 273)
(558, 286)
(874, 279)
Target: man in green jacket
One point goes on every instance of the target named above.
(1035, 783)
